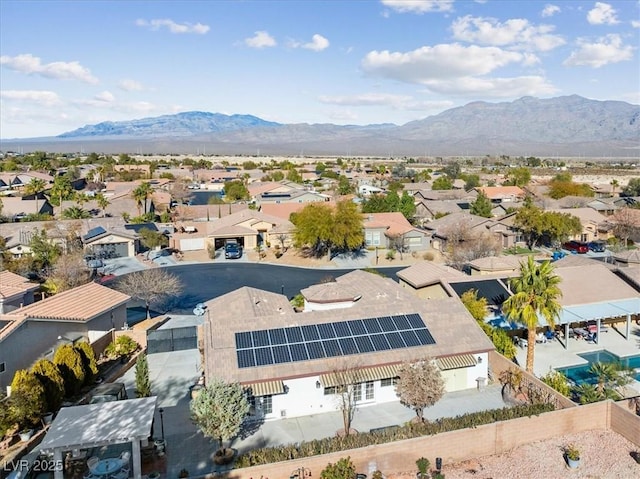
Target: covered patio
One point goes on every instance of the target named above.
(79, 432)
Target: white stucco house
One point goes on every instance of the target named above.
(290, 362)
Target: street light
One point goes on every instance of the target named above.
(300, 473)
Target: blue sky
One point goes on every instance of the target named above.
(66, 64)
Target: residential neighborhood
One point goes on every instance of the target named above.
(364, 298)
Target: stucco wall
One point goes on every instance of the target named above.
(434, 291)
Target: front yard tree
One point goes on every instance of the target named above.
(150, 286)
(482, 206)
(536, 296)
(626, 224)
(152, 239)
(537, 224)
(236, 190)
(219, 410)
(420, 385)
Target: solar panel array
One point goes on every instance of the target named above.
(326, 340)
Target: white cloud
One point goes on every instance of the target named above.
(635, 23)
(105, 96)
(550, 10)
(419, 6)
(443, 61)
(130, 85)
(602, 13)
(516, 32)
(261, 39)
(31, 65)
(317, 43)
(173, 27)
(396, 102)
(493, 87)
(608, 49)
(39, 97)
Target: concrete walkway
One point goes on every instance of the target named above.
(173, 373)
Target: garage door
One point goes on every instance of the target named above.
(191, 244)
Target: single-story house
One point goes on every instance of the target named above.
(391, 230)
(502, 194)
(249, 228)
(15, 291)
(291, 362)
(17, 208)
(36, 330)
(593, 223)
(112, 242)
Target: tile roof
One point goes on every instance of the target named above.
(496, 192)
(629, 256)
(329, 293)
(394, 222)
(592, 284)
(496, 263)
(248, 309)
(631, 274)
(78, 304)
(12, 284)
(426, 273)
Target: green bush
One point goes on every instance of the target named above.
(557, 381)
(27, 398)
(143, 384)
(328, 445)
(69, 361)
(7, 419)
(123, 346)
(51, 379)
(89, 362)
(343, 469)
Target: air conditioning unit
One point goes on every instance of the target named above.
(283, 413)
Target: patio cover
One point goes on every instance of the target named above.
(595, 311)
(95, 425)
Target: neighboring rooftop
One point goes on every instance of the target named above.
(427, 273)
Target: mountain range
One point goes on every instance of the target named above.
(563, 126)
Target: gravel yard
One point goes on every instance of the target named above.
(604, 455)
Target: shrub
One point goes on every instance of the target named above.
(143, 384)
(123, 346)
(89, 362)
(69, 361)
(51, 379)
(343, 469)
(423, 466)
(428, 256)
(391, 255)
(7, 418)
(27, 398)
(557, 381)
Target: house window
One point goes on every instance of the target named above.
(369, 394)
(330, 390)
(267, 404)
(372, 238)
(357, 392)
(388, 382)
(3, 367)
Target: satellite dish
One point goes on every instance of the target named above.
(198, 311)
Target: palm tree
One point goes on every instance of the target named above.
(75, 213)
(535, 296)
(141, 194)
(103, 202)
(614, 184)
(35, 186)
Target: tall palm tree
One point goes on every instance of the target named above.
(614, 184)
(141, 194)
(35, 187)
(535, 296)
(103, 202)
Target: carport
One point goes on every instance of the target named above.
(104, 424)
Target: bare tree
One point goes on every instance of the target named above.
(399, 243)
(420, 385)
(347, 380)
(150, 286)
(626, 224)
(283, 238)
(179, 190)
(69, 271)
(464, 244)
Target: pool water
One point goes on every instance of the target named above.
(581, 375)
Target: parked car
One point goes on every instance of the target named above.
(576, 247)
(597, 246)
(232, 251)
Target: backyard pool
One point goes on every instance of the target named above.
(580, 374)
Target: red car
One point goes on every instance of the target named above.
(576, 247)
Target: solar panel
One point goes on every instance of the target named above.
(332, 348)
(380, 342)
(415, 320)
(425, 336)
(245, 358)
(277, 336)
(387, 323)
(401, 322)
(263, 356)
(294, 334)
(326, 331)
(243, 340)
(372, 325)
(326, 340)
(260, 338)
(357, 327)
(298, 352)
(316, 351)
(310, 332)
(281, 354)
